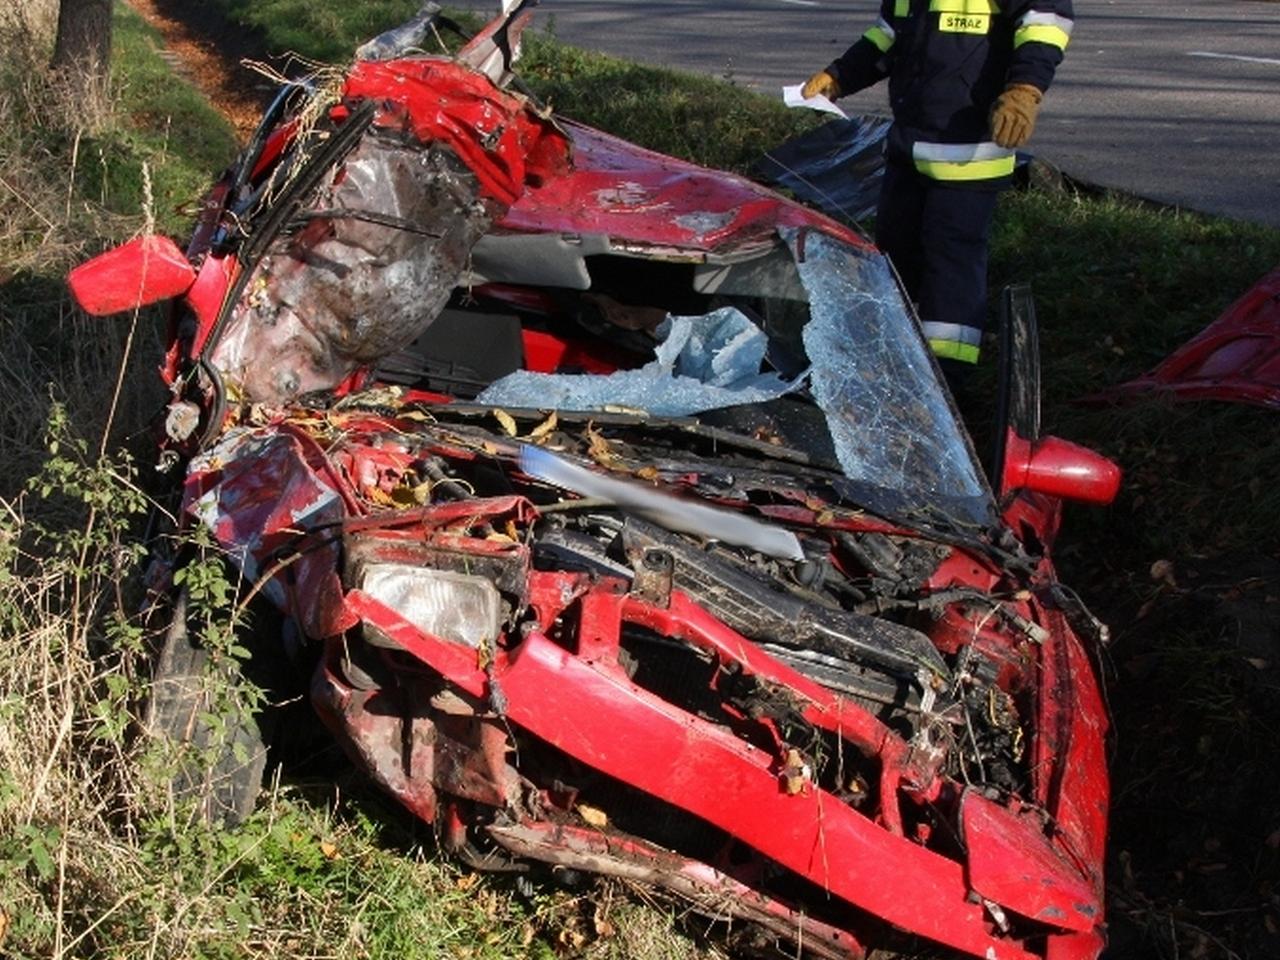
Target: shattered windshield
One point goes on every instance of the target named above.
(871, 373)
(855, 353)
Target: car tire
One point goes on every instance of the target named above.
(217, 762)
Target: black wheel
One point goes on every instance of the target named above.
(220, 751)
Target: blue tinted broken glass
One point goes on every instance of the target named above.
(872, 375)
(701, 363)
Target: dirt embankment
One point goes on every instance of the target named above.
(211, 53)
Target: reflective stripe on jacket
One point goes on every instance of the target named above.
(947, 61)
(953, 341)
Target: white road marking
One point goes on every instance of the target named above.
(1231, 56)
(802, 3)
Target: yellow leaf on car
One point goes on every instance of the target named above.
(507, 422)
(544, 428)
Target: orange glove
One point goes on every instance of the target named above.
(821, 84)
(1013, 116)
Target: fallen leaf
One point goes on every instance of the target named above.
(1162, 572)
(544, 428)
(594, 816)
(330, 850)
(1257, 663)
(380, 497)
(599, 448)
(796, 774)
(603, 925)
(507, 422)
(466, 882)
(572, 939)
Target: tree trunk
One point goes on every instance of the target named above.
(83, 45)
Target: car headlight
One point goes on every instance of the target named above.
(454, 606)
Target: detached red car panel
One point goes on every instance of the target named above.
(1236, 358)
(628, 524)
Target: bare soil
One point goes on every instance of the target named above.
(212, 54)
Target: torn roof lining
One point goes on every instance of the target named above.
(560, 260)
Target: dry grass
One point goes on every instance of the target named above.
(67, 766)
(48, 350)
(69, 784)
(42, 119)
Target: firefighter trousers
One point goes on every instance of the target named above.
(936, 236)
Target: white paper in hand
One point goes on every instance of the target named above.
(792, 97)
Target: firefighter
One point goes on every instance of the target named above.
(966, 78)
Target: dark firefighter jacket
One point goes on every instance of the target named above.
(947, 61)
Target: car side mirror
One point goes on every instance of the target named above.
(1058, 468)
(144, 271)
(1022, 459)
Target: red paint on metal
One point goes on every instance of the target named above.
(1059, 468)
(1068, 750)
(401, 760)
(685, 620)
(646, 199)
(504, 143)
(1075, 713)
(1012, 862)
(286, 497)
(209, 219)
(1236, 358)
(471, 760)
(261, 502)
(527, 299)
(205, 297)
(628, 733)
(638, 737)
(452, 513)
(144, 271)
(547, 353)
(277, 142)
(1076, 946)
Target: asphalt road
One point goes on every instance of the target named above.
(1177, 102)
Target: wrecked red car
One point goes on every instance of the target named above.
(628, 522)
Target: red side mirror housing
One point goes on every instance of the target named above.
(1059, 468)
(137, 274)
